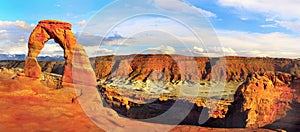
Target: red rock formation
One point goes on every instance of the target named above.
(261, 100)
(167, 68)
(176, 67)
(45, 30)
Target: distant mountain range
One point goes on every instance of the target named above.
(23, 57)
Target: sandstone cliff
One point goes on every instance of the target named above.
(170, 67)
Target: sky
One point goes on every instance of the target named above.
(189, 27)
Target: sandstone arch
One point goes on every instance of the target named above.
(44, 31)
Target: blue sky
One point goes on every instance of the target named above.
(230, 18)
(32, 11)
(225, 27)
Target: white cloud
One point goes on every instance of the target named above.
(104, 51)
(268, 25)
(197, 50)
(117, 42)
(115, 39)
(162, 50)
(16, 49)
(166, 4)
(286, 9)
(213, 51)
(48, 50)
(178, 5)
(290, 25)
(81, 23)
(96, 51)
(88, 39)
(244, 18)
(223, 50)
(205, 12)
(11, 31)
(283, 12)
(20, 24)
(13, 36)
(258, 44)
(52, 50)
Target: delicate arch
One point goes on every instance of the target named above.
(61, 33)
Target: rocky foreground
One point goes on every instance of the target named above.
(33, 105)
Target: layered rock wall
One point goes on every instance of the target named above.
(175, 67)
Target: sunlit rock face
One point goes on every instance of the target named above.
(61, 33)
(177, 67)
(261, 100)
(258, 91)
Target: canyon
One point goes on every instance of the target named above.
(258, 92)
